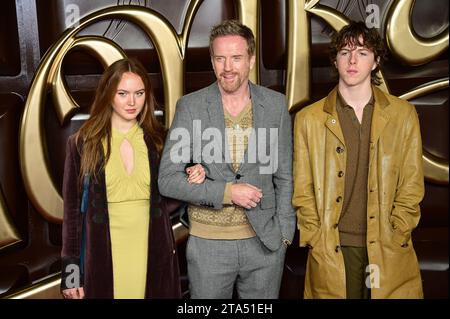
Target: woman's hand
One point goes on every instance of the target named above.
(196, 174)
(73, 293)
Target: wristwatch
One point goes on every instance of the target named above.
(286, 242)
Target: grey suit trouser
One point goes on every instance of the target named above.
(216, 266)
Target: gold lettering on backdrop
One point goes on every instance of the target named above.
(298, 68)
(105, 50)
(248, 13)
(435, 169)
(8, 233)
(404, 43)
(406, 46)
(33, 159)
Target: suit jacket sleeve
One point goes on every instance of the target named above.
(282, 178)
(178, 150)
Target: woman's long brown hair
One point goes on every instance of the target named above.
(98, 126)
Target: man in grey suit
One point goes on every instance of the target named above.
(241, 218)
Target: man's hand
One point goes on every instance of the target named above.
(73, 293)
(196, 174)
(245, 195)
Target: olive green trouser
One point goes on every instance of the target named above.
(356, 261)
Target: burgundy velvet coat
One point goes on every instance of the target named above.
(162, 266)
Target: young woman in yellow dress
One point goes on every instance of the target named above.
(123, 245)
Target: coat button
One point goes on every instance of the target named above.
(337, 248)
(338, 199)
(333, 121)
(341, 173)
(238, 176)
(339, 150)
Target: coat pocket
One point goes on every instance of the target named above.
(400, 241)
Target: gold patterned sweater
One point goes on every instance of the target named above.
(230, 222)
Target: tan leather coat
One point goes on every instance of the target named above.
(395, 189)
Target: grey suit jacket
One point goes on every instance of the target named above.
(197, 135)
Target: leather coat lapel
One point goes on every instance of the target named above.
(379, 118)
(332, 122)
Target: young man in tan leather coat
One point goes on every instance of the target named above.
(358, 180)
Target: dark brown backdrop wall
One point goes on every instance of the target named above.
(30, 243)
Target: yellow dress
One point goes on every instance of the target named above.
(128, 206)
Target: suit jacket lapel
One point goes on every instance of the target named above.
(258, 122)
(217, 120)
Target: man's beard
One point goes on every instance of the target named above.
(231, 87)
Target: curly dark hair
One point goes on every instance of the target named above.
(358, 34)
